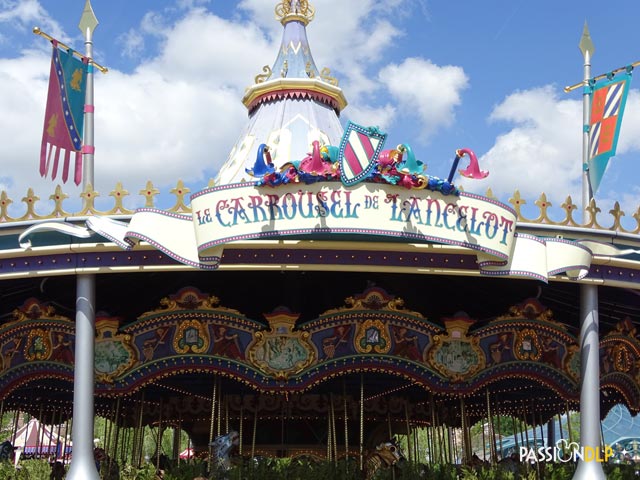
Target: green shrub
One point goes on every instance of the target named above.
(29, 470)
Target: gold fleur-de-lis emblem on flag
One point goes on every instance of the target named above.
(52, 124)
(76, 79)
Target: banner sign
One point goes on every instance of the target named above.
(245, 211)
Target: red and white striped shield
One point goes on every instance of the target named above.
(358, 153)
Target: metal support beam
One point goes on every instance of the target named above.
(83, 466)
(590, 383)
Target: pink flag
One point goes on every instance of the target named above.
(62, 132)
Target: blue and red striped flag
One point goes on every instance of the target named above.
(607, 107)
(64, 115)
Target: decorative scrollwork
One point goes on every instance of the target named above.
(309, 70)
(295, 7)
(325, 75)
(262, 77)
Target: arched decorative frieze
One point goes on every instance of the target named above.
(36, 343)
(35, 333)
(188, 298)
(373, 298)
(620, 362)
(190, 325)
(190, 332)
(528, 336)
(373, 322)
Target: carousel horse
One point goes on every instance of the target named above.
(6, 451)
(386, 455)
(222, 447)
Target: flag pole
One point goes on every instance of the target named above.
(83, 466)
(589, 335)
(588, 49)
(88, 23)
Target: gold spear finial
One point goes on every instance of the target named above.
(290, 10)
(88, 20)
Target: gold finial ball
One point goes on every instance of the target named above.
(300, 9)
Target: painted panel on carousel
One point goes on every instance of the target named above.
(620, 349)
(227, 342)
(620, 361)
(154, 343)
(455, 354)
(406, 343)
(11, 352)
(337, 341)
(529, 333)
(114, 353)
(373, 322)
(281, 352)
(190, 322)
(36, 333)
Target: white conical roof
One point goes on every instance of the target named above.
(290, 105)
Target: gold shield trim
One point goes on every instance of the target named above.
(527, 345)
(280, 352)
(191, 337)
(454, 354)
(372, 336)
(114, 353)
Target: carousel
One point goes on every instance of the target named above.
(320, 296)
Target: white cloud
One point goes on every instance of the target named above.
(20, 14)
(23, 114)
(629, 140)
(350, 47)
(181, 108)
(175, 117)
(540, 152)
(206, 49)
(180, 130)
(132, 44)
(429, 91)
(382, 117)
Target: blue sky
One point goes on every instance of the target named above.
(438, 75)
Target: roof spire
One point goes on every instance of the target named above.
(294, 57)
(291, 105)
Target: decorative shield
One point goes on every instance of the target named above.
(280, 352)
(359, 150)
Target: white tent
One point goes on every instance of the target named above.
(35, 438)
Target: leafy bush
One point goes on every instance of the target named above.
(29, 470)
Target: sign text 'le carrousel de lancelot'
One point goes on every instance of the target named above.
(244, 211)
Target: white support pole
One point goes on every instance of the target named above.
(589, 329)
